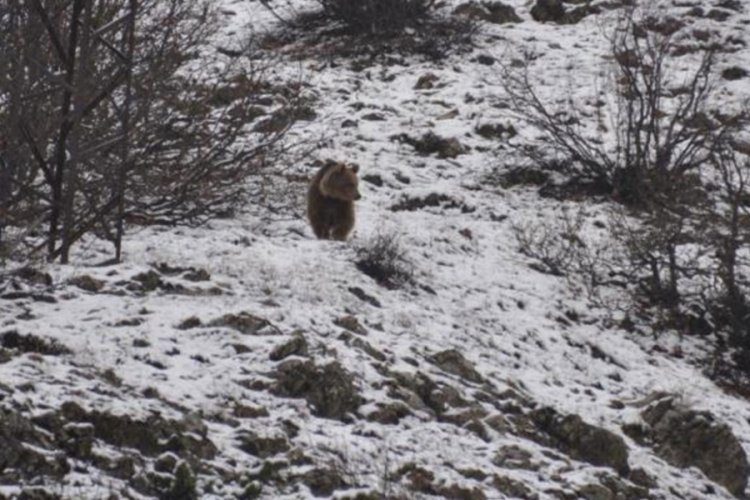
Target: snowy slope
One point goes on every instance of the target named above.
(525, 333)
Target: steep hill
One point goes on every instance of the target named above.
(246, 359)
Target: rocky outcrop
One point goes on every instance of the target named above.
(431, 143)
(581, 440)
(26, 452)
(297, 346)
(690, 438)
(452, 361)
(328, 389)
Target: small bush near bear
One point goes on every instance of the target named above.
(384, 259)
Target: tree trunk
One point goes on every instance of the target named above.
(60, 160)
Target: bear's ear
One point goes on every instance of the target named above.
(355, 167)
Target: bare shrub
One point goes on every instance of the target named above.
(729, 239)
(652, 131)
(665, 247)
(130, 127)
(555, 248)
(562, 248)
(384, 259)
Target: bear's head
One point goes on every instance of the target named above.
(340, 181)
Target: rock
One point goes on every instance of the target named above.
(499, 423)
(166, 462)
(78, 440)
(123, 467)
(389, 413)
(323, 482)
(373, 117)
(485, 59)
(426, 81)
(246, 324)
(462, 417)
(690, 438)
(491, 12)
(513, 489)
(419, 478)
(149, 280)
(364, 296)
(362, 345)
(718, 15)
(431, 143)
(263, 446)
(458, 492)
(431, 200)
(374, 179)
(188, 323)
(350, 323)
(87, 283)
(642, 478)
(27, 450)
(328, 389)
(621, 488)
(242, 411)
(496, 131)
(734, 73)
(479, 429)
(33, 276)
(37, 493)
(594, 491)
(423, 394)
(151, 436)
(515, 457)
(297, 346)
(583, 441)
(452, 361)
(283, 119)
(196, 275)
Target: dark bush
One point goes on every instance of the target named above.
(378, 16)
(383, 259)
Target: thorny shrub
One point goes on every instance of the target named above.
(384, 259)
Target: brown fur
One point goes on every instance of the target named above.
(330, 200)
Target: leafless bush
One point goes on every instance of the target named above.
(729, 219)
(665, 246)
(107, 118)
(555, 248)
(560, 248)
(384, 259)
(659, 129)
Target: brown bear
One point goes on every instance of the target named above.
(330, 200)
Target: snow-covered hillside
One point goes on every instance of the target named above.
(266, 361)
